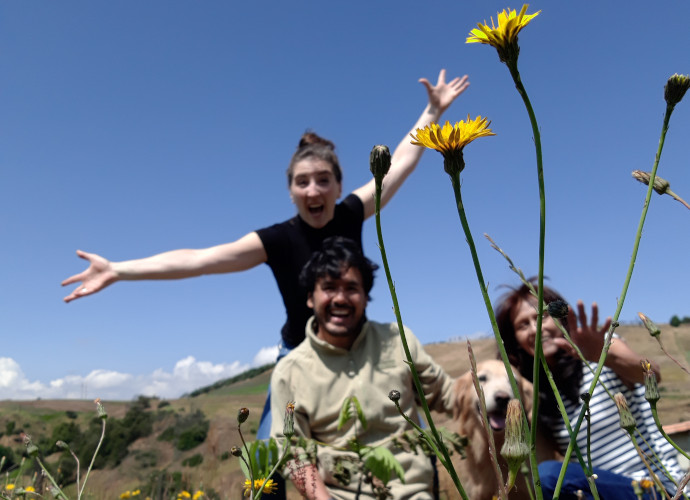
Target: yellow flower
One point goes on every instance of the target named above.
(504, 36)
(9, 487)
(269, 487)
(184, 494)
(198, 495)
(136, 492)
(646, 484)
(30, 489)
(126, 495)
(450, 140)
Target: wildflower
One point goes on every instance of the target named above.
(661, 186)
(269, 487)
(646, 484)
(242, 415)
(450, 140)
(627, 421)
(30, 489)
(651, 389)
(136, 492)
(289, 420)
(675, 88)
(184, 494)
(197, 495)
(515, 448)
(380, 162)
(9, 487)
(127, 494)
(504, 36)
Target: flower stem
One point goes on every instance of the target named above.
(455, 181)
(626, 283)
(512, 66)
(401, 329)
(93, 459)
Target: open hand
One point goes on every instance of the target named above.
(443, 94)
(97, 276)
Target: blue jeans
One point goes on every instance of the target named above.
(610, 486)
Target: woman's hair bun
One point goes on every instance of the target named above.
(313, 139)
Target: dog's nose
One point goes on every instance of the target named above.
(502, 399)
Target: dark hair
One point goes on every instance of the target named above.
(312, 145)
(337, 253)
(567, 371)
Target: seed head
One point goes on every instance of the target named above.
(394, 396)
(289, 420)
(661, 186)
(650, 325)
(515, 447)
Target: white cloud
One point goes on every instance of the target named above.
(187, 375)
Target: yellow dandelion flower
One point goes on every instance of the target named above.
(646, 484)
(198, 495)
(9, 487)
(269, 487)
(136, 492)
(184, 494)
(504, 36)
(509, 25)
(450, 140)
(127, 494)
(30, 489)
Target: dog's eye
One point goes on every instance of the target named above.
(481, 378)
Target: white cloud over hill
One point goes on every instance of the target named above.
(187, 375)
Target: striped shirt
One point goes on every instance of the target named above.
(611, 447)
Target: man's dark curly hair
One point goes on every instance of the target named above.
(337, 253)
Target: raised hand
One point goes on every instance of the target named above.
(587, 336)
(96, 277)
(443, 94)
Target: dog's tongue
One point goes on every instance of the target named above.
(497, 422)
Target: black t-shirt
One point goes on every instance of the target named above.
(290, 244)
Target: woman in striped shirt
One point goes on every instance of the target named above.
(615, 461)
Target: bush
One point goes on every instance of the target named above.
(193, 461)
(675, 321)
(188, 431)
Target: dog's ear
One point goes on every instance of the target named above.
(460, 394)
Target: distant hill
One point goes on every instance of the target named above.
(218, 405)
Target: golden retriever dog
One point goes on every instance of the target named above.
(476, 472)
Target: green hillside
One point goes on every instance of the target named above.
(162, 447)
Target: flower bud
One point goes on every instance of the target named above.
(100, 410)
(380, 161)
(394, 396)
(627, 421)
(242, 415)
(675, 88)
(32, 450)
(558, 309)
(651, 389)
(62, 445)
(289, 421)
(661, 186)
(515, 447)
(650, 325)
(235, 451)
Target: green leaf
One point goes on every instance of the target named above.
(360, 413)
(344, 413)
(381, 462)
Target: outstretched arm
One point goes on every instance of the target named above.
(406, 156)
(245, 253)
(589, 337)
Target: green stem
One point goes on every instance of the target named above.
(401, 329)
(663, 433)
(93, 459)
(455, 180)
(609, 334)
(512, 66)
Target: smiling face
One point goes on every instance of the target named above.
(339, 305)
(524, 319)
(314, 190)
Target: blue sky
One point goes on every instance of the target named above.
(131, 128)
